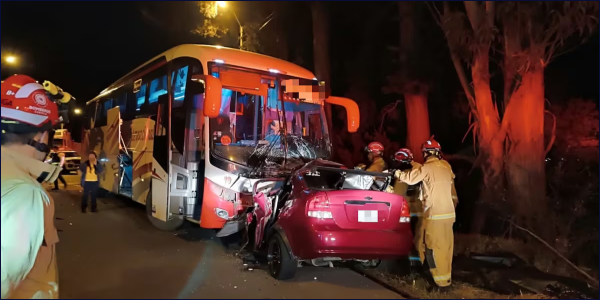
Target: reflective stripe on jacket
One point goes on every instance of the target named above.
(439, 194)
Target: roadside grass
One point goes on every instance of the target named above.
(417, 287)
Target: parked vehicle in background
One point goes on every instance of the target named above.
(64, 141)
(72, 160)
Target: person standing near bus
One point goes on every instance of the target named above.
(90, 181)
(29, 238)
(58, 159)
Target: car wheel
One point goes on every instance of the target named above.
(282, 265)
(170, 225)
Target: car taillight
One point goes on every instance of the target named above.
(318, 207)
(405, 212)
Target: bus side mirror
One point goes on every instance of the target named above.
(352, 112)
(212, 93)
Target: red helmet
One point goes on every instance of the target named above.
(431, 145)
(403, 154)
(375, 147)
(25, 102)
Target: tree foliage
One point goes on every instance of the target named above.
(221, 23)
(466, 31)
(543, 27)
(210, 28)
(533, 33)
(251, 39)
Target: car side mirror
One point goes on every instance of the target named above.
(352, 112)
(212, 93)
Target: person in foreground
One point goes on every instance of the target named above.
(28, 234)
(439, 203)
(89, 181)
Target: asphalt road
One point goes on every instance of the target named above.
(116, 253)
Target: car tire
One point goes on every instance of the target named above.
(170, 225)
(282, 266)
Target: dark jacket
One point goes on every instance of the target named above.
(83, 169)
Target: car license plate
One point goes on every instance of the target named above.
(367, 216)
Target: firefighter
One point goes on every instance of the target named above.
(403, 161)
(439, 203)
(375, 156)
(28, 233)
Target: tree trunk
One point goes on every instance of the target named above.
(525, 164)
(320, 28)
(491, 149)
(417, 121)
(415, 93)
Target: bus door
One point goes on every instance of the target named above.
(235, 134)
(187, 161)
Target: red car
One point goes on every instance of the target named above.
(321, 215)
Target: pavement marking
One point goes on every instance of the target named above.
(199, 275)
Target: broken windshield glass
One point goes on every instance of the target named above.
(271, 134)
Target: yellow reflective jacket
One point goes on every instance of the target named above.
(439, 193)
(378, 165)
(28, 233)
(402, 188)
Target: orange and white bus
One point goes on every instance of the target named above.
(189, 132)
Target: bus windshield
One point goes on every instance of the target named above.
(281, 130)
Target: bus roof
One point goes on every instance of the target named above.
(229, 56)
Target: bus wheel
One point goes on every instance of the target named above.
(170, 225)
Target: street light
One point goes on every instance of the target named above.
(77, 111)
(223, 4)
(10, 59)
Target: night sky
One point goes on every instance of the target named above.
(85, 46)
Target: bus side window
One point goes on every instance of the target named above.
(90, 115)
(158, 87)
(179, 83)
(127, 102)
(104, 106)
(154, 84)
(121, 101)
(140, 98)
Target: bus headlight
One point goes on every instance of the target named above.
(221, 213)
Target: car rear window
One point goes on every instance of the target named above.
(336, 179)
(325, 180)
